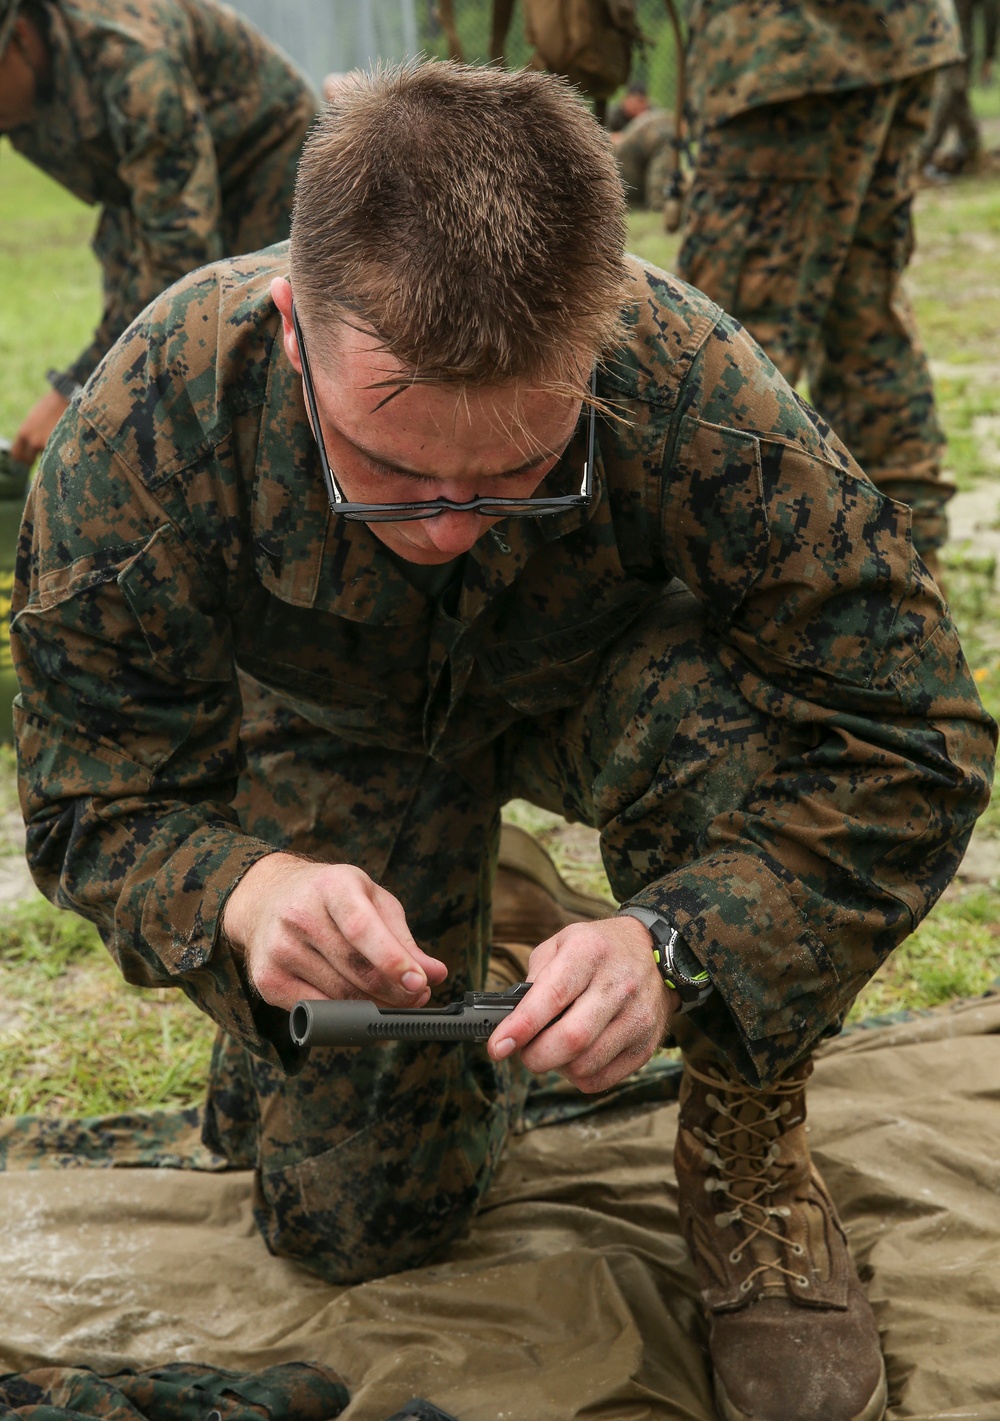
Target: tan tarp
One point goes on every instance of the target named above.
(572, 1296)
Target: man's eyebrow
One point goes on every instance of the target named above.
(395, 468)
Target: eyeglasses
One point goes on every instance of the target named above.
(430, 508)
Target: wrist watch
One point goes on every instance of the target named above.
(679, 968)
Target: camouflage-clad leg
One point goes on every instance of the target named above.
(869, 375)
(661, 756)
(660, 747)
(369, 1161)
(799, 224)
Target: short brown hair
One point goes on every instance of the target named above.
(472, 217)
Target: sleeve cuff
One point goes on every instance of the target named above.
(181, 925)
(776, 983)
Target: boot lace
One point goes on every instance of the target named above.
(744, 1150)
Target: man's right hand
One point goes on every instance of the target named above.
(313, 930)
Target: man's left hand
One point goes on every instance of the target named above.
(37, 425)
(612, 1005)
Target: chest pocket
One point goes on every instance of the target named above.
(550, 672)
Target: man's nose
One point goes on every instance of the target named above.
(455, 533)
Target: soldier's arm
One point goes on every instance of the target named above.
(129, 713)
(830, 626)
(166, 160)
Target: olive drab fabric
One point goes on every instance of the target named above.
(183, 124)
(590, 41)
(731, 663)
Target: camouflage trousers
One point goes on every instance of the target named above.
(799, 224)
(370, 1161)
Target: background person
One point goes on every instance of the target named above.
(693, 624)
(633, 102)
(645, 152)
(809, 119)
(176, 117)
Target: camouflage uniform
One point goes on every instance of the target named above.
(184, 124)
(645, 154)
(786, 758)
(810, 118)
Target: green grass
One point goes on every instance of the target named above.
(74, 1038)
(51, 283)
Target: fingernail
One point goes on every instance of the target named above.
(503, 1048)
(414, 981)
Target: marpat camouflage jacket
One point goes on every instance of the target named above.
(179, 528)
(744, 53)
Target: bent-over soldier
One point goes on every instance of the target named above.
(555, 529)
(177, 118)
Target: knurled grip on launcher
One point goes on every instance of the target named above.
(361, 1023)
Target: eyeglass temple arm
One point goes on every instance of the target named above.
(334, 493)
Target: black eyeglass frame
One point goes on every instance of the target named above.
(430, 508)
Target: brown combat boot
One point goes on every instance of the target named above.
(531, 902)
(791, 1333)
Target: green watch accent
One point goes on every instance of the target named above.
(680, 969)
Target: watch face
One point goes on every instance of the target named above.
(678, 966)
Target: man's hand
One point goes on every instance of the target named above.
(616, 1008)
(40, 421)
(313, 931)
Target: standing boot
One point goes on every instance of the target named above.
(791, 1333)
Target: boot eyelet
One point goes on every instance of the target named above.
(798, 1250)
(746, 1285)
(735, 1256)
(802, 1281)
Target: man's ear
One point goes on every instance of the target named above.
(281, 295)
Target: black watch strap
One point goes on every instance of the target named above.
(678, 966)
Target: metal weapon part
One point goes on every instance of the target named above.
(361, 1023)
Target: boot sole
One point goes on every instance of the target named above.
(873, 1410)
(522, 854)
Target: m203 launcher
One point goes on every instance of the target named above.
(361, 1023)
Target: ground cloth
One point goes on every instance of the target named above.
(572, 1296)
